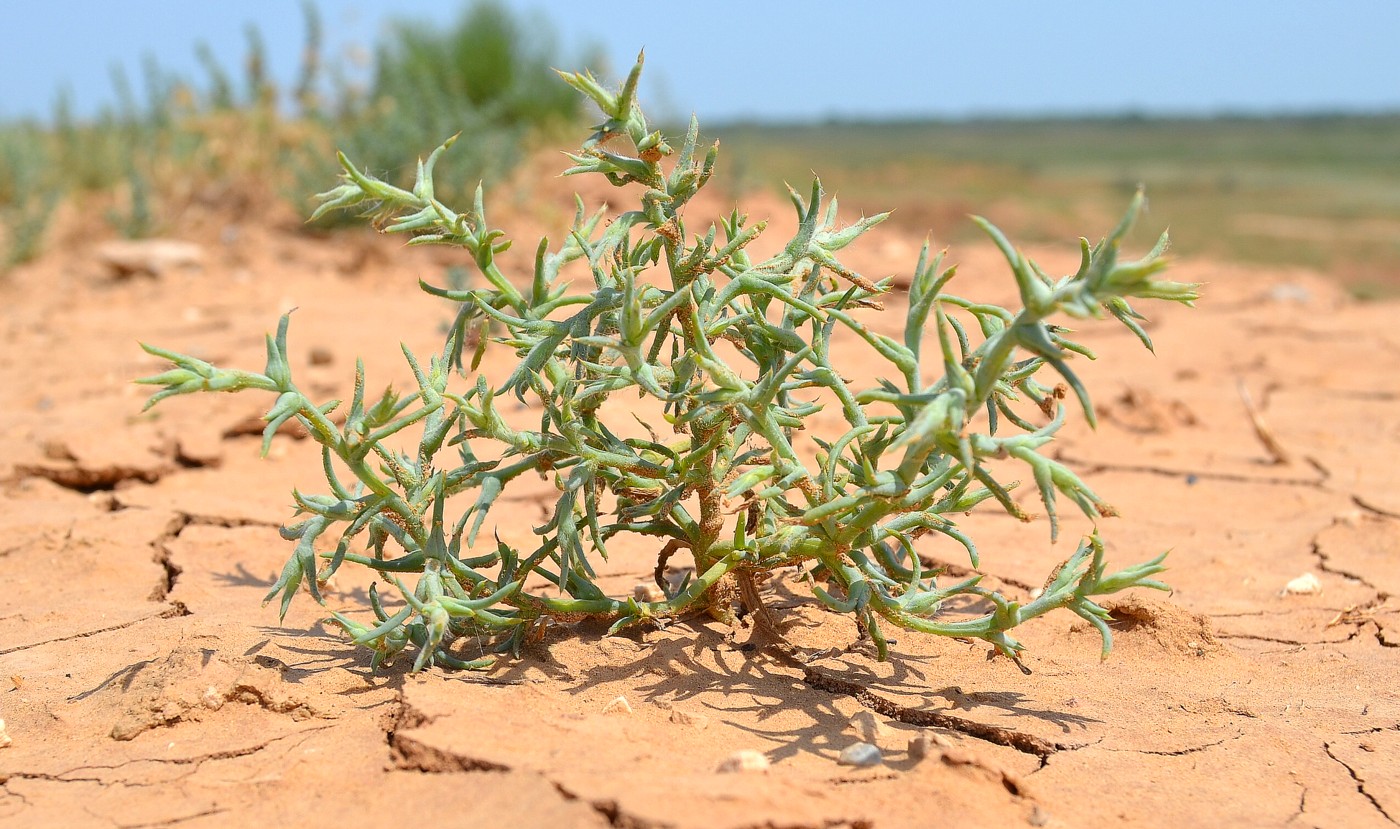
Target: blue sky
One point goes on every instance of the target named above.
(804, 60)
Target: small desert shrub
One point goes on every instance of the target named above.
(737, 356)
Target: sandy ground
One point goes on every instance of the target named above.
(142, 685)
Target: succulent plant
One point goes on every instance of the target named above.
(737, 355)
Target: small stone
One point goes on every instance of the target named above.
(920, 747)
(212, 699)
(149, 256)
(321, 356)
(926, 745)
(680, 716)
(746, 760)
(868, 726)
(647, 592)
(1305, 584)
(5, 739)
(126, 729)
(619, 705)
(861, 755)
(1290, 293)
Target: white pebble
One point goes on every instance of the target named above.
(1303, 585)
(744, 761)
(212, 699)
(4, 736)
(863, 755)
(1288, 292)
(618, 706)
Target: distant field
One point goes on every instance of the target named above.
(1322, 192)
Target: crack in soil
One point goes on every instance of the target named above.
(188, 460)
(410, 755)
(197, 762)
(1360, 784)
(5, 786)
(1252, 637)
(165, 558)
(197, 519)
(611, 811)
(174, 611)
(173, 821)
(90, 479)
(1372, 508)
(1302, 804)
(1020, 741)
(213, 756)
(1181, 752)
(1322, 564)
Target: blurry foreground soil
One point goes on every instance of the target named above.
(142, 685)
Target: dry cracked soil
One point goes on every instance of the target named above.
(142, 685)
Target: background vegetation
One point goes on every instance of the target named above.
(1320, 192)
(234, 142)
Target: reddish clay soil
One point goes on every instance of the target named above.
(142, 685)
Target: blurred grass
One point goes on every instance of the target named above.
(231, 144)
(489, 76)
(1319, 192)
